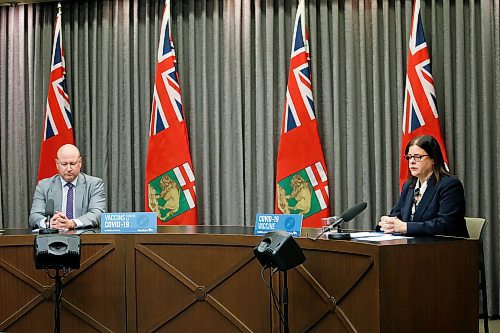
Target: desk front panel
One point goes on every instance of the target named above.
(175, 282)
(92, 298)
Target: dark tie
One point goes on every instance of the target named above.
(69, 201)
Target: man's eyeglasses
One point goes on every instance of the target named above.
(416, 157)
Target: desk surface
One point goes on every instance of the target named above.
(188, 278)
(245, 230)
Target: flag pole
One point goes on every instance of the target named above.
(59, 11)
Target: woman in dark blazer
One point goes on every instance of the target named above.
(432, 202)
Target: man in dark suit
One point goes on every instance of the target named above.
(79, 199)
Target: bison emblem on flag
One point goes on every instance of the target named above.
(171, 194)
(301, 178)
(169, 182)
(304, 192)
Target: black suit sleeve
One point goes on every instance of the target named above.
(396, 210)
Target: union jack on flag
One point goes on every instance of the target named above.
(58, 118)
(299, 95)
(301, 177)
(420, 115)
(167, 91)
(170, 189)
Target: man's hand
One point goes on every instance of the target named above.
(60, 221)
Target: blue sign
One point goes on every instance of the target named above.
(292, 223)
(128, 223)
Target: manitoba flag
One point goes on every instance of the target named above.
(170, 181)
(301, 177)
(58, 119)
(420, 116)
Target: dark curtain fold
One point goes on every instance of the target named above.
(233, 61)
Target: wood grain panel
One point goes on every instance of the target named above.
(184, 281)
(188, 276)
(87, 306)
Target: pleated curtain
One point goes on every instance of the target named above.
(233, 58)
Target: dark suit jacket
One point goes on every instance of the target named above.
(90, 199)
(441, 210)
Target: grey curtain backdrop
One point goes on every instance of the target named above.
(233, 63)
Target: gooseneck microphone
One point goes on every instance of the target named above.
(349, 214)
(49, 212)
(346, 216)
(49, 209)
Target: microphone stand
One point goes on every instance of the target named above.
(58, 289)
(329, 228)
(48, 229)
(339, 235)
(58, 297)
(285, 302)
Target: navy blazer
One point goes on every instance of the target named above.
(441, 210)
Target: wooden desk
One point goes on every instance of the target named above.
(88, 304)
(205, 279)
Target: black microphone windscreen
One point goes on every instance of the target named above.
(353, 211)
(49, 207)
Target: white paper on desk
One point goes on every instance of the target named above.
(365, 234)
(383, 237)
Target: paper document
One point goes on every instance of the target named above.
(364, 234)
(378, 237)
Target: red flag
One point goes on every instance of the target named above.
(420, 115)
(301, 174)
(58, 119)
(170, 182)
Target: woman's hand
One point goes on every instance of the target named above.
(391, 224)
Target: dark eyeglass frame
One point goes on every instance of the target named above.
(416, 157)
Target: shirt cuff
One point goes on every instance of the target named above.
(79, 224)
(42, 224)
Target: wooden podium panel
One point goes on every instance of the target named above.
(414, 285)
(336, 289)
(196, 283)
(88, 303)
(205, 279)
(430, 287)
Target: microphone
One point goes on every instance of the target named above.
(335, 221)
(49, 209)
(346, 216)
(349, 214)
(328, 221)
(49, 212)
(331, 220)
